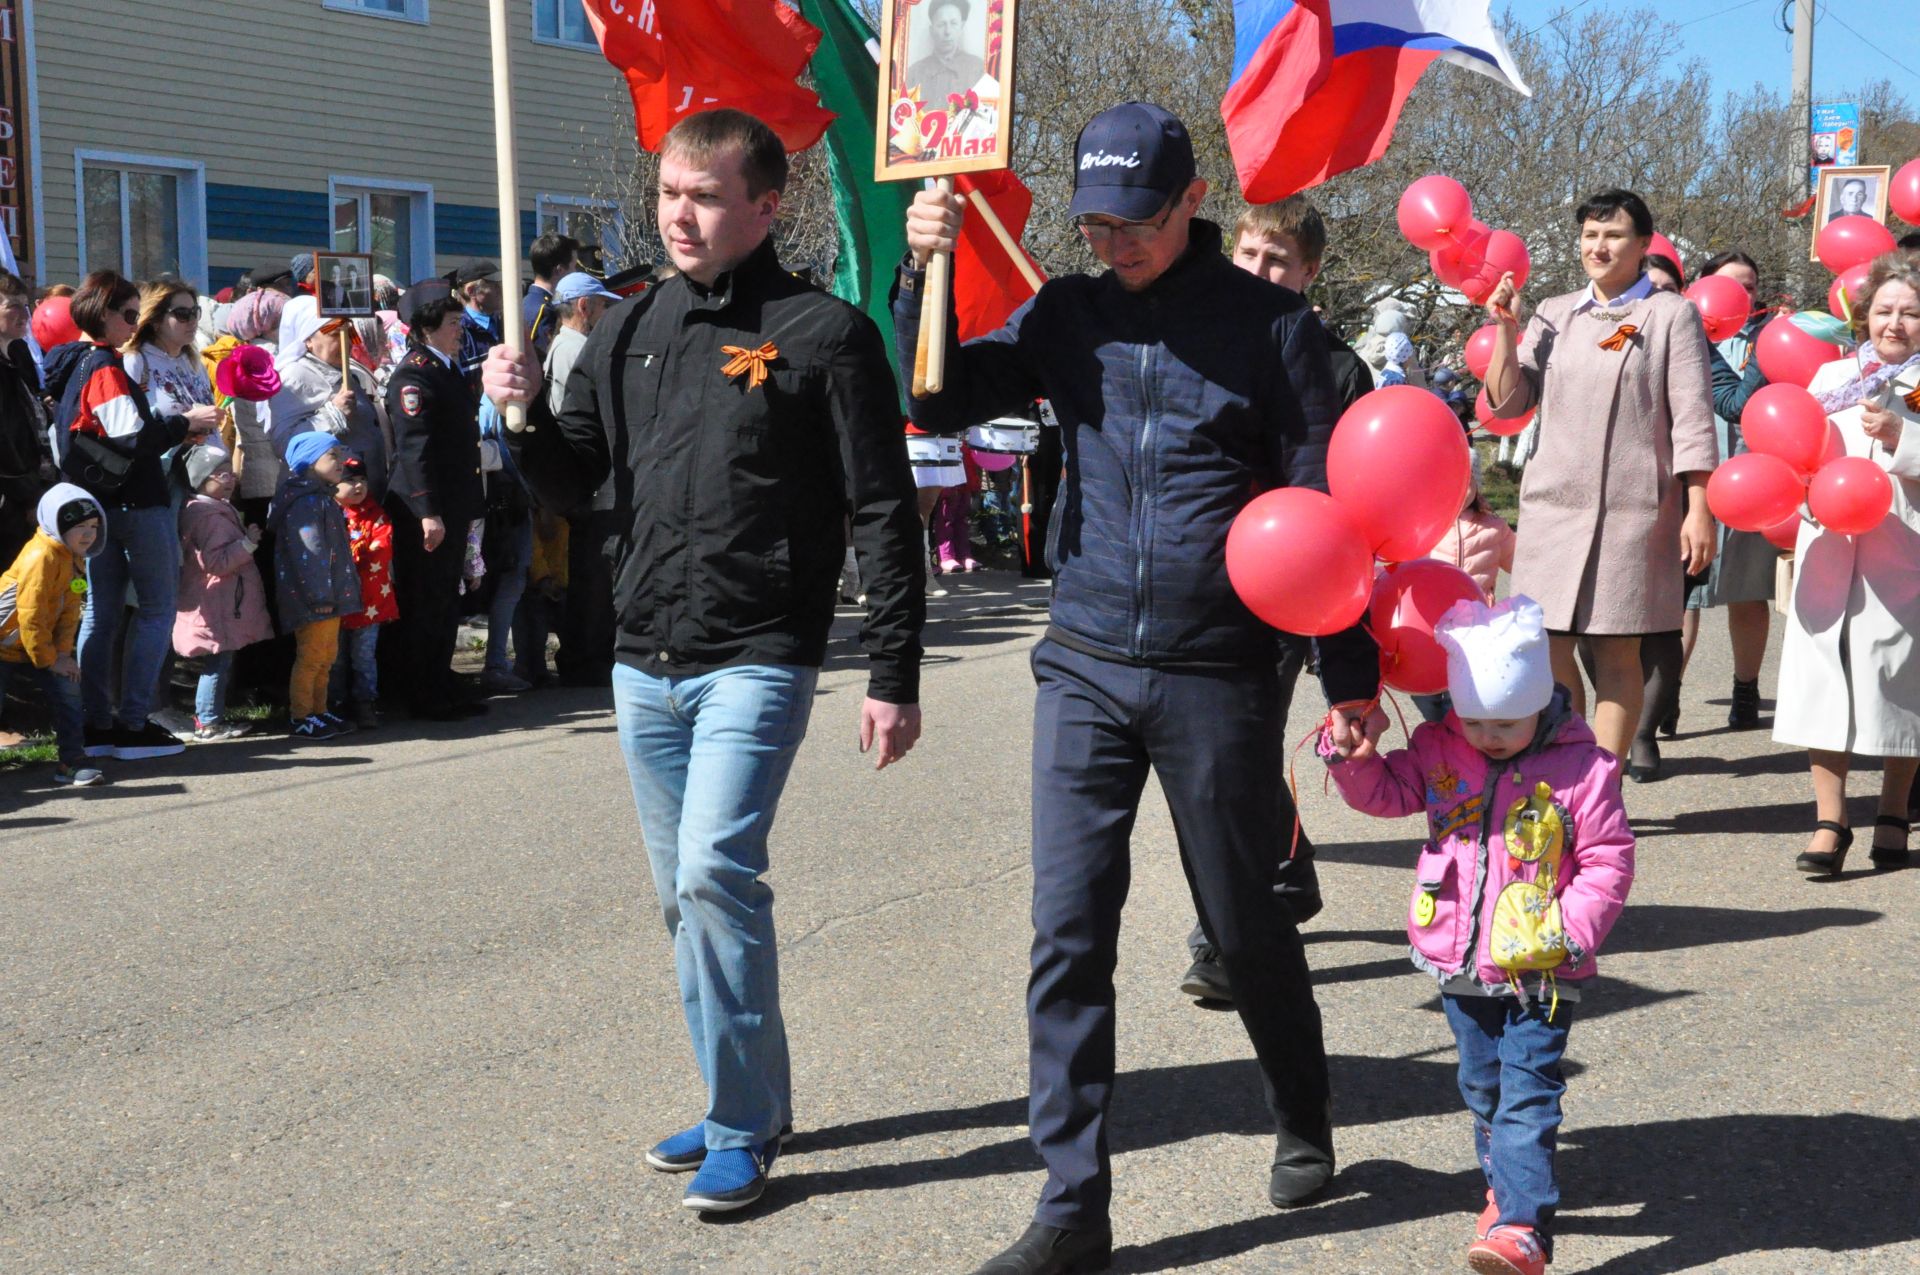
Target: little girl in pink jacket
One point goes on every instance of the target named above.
(1526, 867)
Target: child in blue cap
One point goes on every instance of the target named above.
(314, 576)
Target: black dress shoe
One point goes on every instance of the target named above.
(1048, 1250)
(1745, 713)
(1827, 863)
(1887, 858)
(1301, 1172)
(1643, 761)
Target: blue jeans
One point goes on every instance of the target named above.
(356, 670)
(210, 697)
(142, 552)
(708, 757)
(1510, 1077)
(509, 582)
(63, 697)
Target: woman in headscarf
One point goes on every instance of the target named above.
(255, 320)
(1849, 680)
(314, 395)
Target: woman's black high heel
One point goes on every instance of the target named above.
(1887, 858)
(1827, 864)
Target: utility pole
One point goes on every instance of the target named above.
(1802, 112)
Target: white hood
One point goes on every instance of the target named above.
(61, 495)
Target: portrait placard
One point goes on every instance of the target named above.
(946, 88)
(345, 284)
(1850, 192)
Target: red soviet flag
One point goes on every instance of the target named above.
(987, 286)
(681, 56)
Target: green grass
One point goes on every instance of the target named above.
(1499, 484)
(34, 751)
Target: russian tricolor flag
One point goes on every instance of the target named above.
(1318, 84)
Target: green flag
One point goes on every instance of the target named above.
(872, 215)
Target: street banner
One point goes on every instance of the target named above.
(1835, 140)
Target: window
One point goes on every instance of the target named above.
(142, 216)
(391, 220)
(592, 221)
(405, 10)
(562, 22)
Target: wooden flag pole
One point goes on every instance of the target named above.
(346, 356)
(930, 350)
(514, 414)
(999, 228)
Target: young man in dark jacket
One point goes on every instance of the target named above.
(741, 414)
(1183, 386)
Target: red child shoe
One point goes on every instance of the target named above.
(1488, 1217)
(1508, 1250)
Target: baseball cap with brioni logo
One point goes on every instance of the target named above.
(1129, 162)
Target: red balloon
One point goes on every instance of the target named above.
(1463, 255)
(1850, 495)
(1784, 534)
(1848, 284)
(1723, 304)
(1788, 422)
(1903, 196)
(1753, 491)
(53, 322)
(1480, 351)
(1790, 355)
(1432, 209)
(1498, 427)
(1399, 462)
(1846, 242)
(1506, 253)
(1665, 247)
(1299, 561)
(1836, 446)
(1409, 598)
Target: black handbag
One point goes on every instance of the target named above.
(98, 464)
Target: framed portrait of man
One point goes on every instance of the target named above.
(1850, 192)
(946, 87)
(345, 285)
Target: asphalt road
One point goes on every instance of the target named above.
(403, 1003)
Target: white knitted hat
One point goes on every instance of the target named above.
(1497, 664)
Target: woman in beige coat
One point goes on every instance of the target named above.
(1613, 509)
(1849, 680)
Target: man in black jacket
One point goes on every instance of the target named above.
(742, 415)
(1183, 386)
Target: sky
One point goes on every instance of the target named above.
(1742, 43)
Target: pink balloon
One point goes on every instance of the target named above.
(1299, 561)
(1665, 247)
(1399, 461)
(1844, 295)
(1850, 495)
(1409, 598)
(1903, 196)
(1788, 422)
(1480, 350)
(1784, 534)
(1498, 427)
(1463, 255)
(1723, 304)
(1846, 242)
(1432, 209)
(1789, 355)
(1836, 445)
(53, 324)
(1506, 253)
(1753, 491)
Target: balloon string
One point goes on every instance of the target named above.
(1364, 710)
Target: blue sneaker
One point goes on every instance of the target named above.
(683, 1152)
(731, 1179)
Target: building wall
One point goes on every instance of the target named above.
(274, 97)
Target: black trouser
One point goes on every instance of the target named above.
(1214, 739)
(587, 618)
(1294, 871)
(428, 588)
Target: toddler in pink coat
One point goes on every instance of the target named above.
(1526, 867)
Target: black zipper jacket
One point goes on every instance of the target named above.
(732, 497)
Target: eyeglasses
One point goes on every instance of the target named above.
(1134, 232)
(184, 313)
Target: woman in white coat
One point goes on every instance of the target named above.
(1849, 676)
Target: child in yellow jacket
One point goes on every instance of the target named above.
(41, 598)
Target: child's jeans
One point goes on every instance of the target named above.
(355, 669)
(1510, 1078)
(210, 698)
(315, 647)
(63, 698)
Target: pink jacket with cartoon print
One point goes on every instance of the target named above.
(1464, 865)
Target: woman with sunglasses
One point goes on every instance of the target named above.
(111, 446)
(160, 357)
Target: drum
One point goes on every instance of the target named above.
(1007, 436)
(936, 461)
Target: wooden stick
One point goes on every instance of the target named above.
(346, 356)
(513, 414)
(999, 229)
(930, 354)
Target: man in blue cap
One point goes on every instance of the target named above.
(1183, 387)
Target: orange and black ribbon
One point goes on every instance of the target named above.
(752, 362)
(1618, 341)
(1912, 401)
